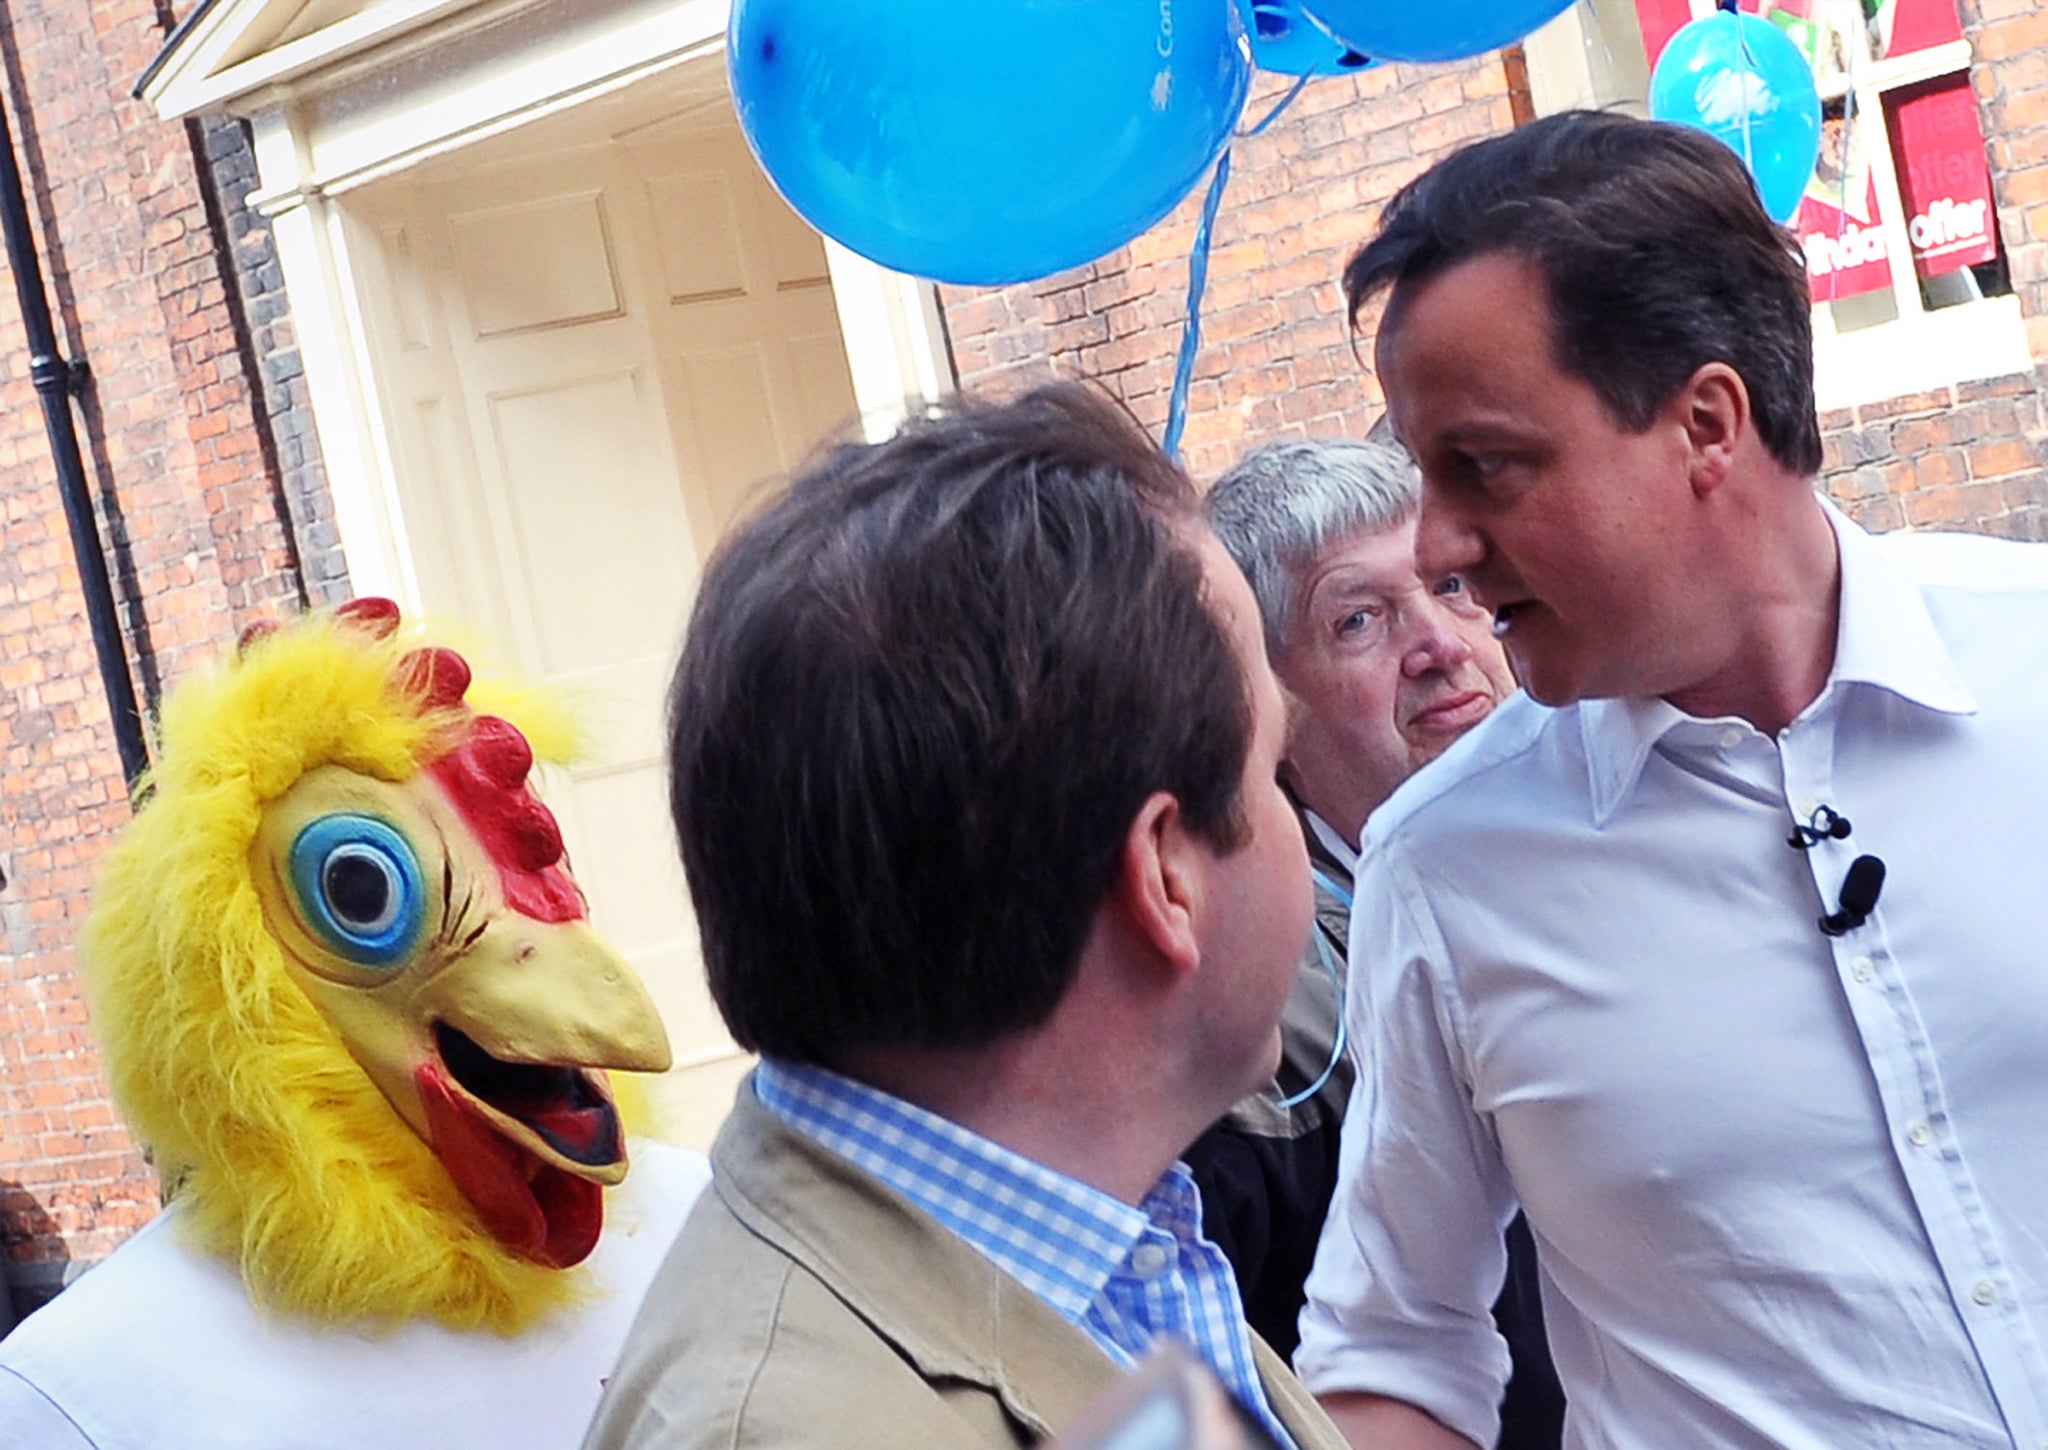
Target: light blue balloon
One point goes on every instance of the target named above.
(1286, 41)
(1741, 79)
(986, 141)
(1431, 29)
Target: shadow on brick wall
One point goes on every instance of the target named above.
(32, 1255)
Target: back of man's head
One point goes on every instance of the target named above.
(1656, 252)
(923, 696)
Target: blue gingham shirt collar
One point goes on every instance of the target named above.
(1072, 1245)
(1059, 1238)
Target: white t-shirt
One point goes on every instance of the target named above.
(159, 1348)
(1787, 1188)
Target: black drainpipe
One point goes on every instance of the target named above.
(57, 380)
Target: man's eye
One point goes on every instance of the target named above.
(1474, 470)
(1450, 587)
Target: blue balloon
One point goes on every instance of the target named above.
(1741, 79)
(1286, 41)
(985, 141)
(1431, 29)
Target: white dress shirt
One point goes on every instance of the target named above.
(1788, 1189)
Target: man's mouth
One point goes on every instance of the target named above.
(530, 1145)
(1452, 715)
(1505, 615)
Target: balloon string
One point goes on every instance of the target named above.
(1198, 279)
(1274, 114)
(1191, 328)
(1329, 959)
(1854, 44)
(1748, 75)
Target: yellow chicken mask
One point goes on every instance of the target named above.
(347, 990)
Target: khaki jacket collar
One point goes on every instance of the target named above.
(927, 1292)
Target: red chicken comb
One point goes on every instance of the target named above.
(485, 772)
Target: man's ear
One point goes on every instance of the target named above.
(1713, 409)
(1156, 883)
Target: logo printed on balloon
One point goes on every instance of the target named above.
(1742, 80)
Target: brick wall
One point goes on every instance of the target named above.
(178, 431)
(1276, 352)
(1974, 456)
(1277, 359)
(272, 356)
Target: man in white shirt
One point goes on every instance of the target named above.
(1720, 956)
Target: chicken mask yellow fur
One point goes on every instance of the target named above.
(287, 1157)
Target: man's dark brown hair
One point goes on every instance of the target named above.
(923, 696)
(1656, 252)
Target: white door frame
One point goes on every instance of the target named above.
(405, 80)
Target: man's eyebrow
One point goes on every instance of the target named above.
(1334, 586)
(1481, 432)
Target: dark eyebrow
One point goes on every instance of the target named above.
(1484, 435)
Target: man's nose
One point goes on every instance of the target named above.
(1435, 642)
(1445, 541)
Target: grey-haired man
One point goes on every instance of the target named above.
(1383, 670)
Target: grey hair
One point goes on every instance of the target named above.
(1281, 505)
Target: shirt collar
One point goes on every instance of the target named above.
(1885, 639)
(1059, 1237)
(1617, 735)
(1344, 853)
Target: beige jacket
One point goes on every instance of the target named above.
(805, 1304)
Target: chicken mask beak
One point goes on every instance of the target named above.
(488, 1030)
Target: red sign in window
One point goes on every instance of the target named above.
(1939, 150)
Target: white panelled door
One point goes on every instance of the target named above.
(593, 351)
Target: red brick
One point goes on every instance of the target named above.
(2002, 456)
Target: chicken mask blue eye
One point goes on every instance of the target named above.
(358, 885)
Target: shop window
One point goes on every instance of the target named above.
(1898, 225)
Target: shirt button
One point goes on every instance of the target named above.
(1861, 968)
(1731, 736)
(1919, 1134)
(1147, 1260)
(1806, 805)
(1985, 1292)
